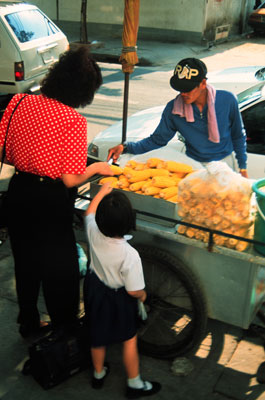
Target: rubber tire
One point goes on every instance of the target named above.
(183, 279)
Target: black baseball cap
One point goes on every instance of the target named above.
(188, 74)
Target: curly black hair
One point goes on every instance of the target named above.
(74, 79)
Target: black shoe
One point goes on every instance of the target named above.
(27, 330)
(98, 383)
(143, 392)
(261, 373)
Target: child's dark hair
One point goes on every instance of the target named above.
(115, 216)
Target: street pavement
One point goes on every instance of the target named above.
(224, 367)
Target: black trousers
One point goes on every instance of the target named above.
(40, 216)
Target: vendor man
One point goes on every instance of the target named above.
(209, 120)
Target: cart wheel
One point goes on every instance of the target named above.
(176, 307)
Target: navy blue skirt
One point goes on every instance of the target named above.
(111, 315)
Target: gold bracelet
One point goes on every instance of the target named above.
(243, 169)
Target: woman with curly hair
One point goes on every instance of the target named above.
(47, 145)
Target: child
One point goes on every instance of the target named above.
(112, 287)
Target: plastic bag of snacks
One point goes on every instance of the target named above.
(216, 197)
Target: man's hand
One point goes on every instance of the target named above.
(244, 173)
(115, 152)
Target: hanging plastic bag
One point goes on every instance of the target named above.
(82, 260)
(218, 198)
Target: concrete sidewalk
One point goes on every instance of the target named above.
(237, 51)
(224, 367)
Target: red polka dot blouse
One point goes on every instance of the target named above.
(45, 137)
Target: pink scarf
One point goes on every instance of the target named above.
(186, 110)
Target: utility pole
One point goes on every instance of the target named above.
(83, 28)
(242, 23)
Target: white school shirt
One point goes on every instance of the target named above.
(114, 261)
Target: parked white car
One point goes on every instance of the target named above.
(29, 44)
(143, 123)
(237, 79)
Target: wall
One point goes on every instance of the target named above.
(169, 20)
(227, 12)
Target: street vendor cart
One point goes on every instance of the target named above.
(188, 280)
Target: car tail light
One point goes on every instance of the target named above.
(19, 71)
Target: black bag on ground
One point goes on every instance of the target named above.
(55, 358)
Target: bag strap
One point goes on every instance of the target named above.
(4, 147)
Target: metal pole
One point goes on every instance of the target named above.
(57, 10)
(125, 105)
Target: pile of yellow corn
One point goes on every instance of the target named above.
(154, 177)
(210, 204)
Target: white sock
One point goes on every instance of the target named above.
(100, 375)
(138, 383)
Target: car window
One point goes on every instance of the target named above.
(254, 121)
(30, 24)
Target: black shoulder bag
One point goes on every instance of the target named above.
(3, 194)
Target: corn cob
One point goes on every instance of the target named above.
(199, 235)
(190, 232)
(121, 177)
(116, 169)
(131, 164)
(108, 179)
(147, 184)
(175, 177)
(153, 162)
(219, 240)
(225, 224)
(136, 176)
(152, 190)
(168, 192)
(123, 183)
(161, 164)
(136, 186)
(140, 166)
(158, 172)
(182, 229)
(216, 219)
(241, 246)
(163, 181)
(115, 185)
(127, 170)
(174, 166)
(173, 199)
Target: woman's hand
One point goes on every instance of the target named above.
(102, 168)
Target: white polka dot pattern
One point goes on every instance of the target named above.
(45, 137)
